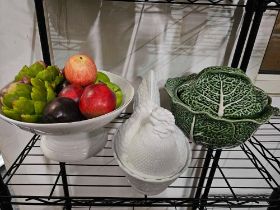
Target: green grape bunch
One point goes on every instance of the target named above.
(26, 97)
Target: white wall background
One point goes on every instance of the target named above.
(127, 39)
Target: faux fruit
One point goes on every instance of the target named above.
(38, 86)
(61, 86)
(102, 77)
(97, 99)
(72, 91)
(80, 70)
(25, 99)
(62, 110)
(118, 92)
(31, 71)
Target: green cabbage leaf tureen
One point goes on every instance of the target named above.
(219, 107)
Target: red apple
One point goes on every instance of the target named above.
(72, 91)
(80, 70)
(96, 100)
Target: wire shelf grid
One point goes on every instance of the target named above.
(238, 171)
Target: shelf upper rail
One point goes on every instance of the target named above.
(267, 4)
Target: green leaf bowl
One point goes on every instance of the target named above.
(219, 107)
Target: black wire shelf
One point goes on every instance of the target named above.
(266, 4)
(258, 158)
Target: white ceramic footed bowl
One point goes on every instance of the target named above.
(75, 141)
(79, 126)
(148, 185)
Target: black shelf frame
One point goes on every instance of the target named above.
(254, 10)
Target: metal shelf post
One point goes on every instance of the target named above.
(5, 201)
(249, 12)
(211, 176)
(260, 8)
(43, 31)
(65, 186)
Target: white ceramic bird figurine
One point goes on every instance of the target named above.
(148, 143)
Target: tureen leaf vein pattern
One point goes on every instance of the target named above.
(219, 97)
(221, 104)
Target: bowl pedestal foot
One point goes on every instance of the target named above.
(74, 147)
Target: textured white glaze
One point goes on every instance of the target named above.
(153, 150)
(149, 147)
